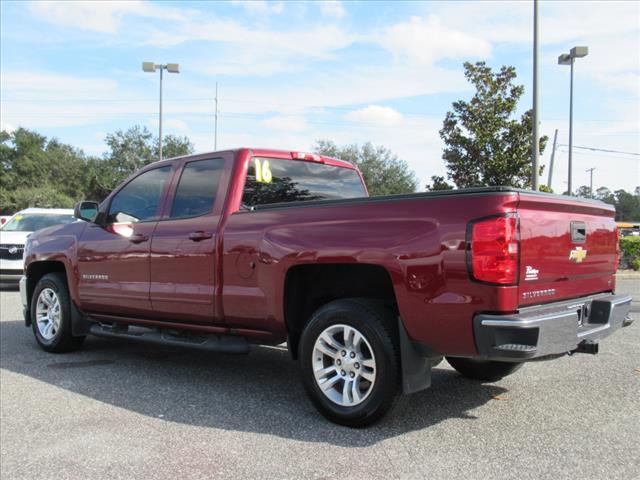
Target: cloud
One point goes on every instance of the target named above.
(170, 125)
(102, 17)
(426, 40)
(560, 21)
(38, 99)
(332, 8)
(290, 123)
(260, 6)
(28, 82)
(375, 115)
(6, 127)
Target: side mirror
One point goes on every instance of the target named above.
(87, 211)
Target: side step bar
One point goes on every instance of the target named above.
(211, 343)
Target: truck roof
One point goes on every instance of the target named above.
(295, 155)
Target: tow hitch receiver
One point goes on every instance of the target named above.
(587, 346)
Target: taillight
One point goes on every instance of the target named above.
(494, 249)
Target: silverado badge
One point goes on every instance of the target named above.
(578, 255)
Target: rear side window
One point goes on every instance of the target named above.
(138, 200)
(197, 188)
(272, 180)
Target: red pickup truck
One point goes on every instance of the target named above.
(252, 246)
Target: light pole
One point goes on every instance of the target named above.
(151, 67)
(535, 143)
(568, 59)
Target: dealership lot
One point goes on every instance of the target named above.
(123, 410)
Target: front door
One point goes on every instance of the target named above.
(113, 259)
(183, 249)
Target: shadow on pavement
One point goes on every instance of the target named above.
(260, 392)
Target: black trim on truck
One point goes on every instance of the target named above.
(424, 196)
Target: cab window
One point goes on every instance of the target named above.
(197, 188)
(138, 200)
(271, 180)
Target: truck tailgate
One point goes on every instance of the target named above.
(568, 248)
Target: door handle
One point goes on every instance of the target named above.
(198, 236)
(138, 238)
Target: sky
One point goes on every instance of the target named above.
(290, 73)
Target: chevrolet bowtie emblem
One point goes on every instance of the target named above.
(578, 255)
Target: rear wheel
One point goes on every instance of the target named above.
(483, 370)
(349, 360)
(51, 315)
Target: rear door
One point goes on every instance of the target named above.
(183, 250)
(113, 260)
(568, 248)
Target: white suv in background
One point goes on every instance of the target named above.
(14, 233)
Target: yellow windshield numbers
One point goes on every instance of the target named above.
(263, 171)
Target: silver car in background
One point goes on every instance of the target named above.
(14, 233)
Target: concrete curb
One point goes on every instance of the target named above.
(628, 274)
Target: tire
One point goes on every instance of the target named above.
(52, 328)
(483, 370)
(362, 384)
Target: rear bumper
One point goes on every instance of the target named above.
(551, 330)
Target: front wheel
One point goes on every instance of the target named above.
(483, 370)
(349, 360)
(51, 315)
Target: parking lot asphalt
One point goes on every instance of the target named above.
(122, 410)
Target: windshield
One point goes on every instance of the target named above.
(271, 180)
(30, 222)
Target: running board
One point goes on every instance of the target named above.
(210, 343)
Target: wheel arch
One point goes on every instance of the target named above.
(309, 286)
(34, 273)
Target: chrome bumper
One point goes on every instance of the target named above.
(551, 330)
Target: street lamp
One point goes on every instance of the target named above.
(568, 59)
(151, 67)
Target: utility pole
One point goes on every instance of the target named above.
(535, 151)
(590, 170)
(215, 128)
(160, 117)
(553, 155)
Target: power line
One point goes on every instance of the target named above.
(600, 155)
(602, 150)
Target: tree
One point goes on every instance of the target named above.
(604, 194)
(439, 183)
(175, 146)
(627, 206)
(484, 144)
(383, 172)
(37, 172)
(40, 172)
(128, 151)
(584, 191)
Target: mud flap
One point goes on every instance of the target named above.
(416, 369)
(79, 323)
